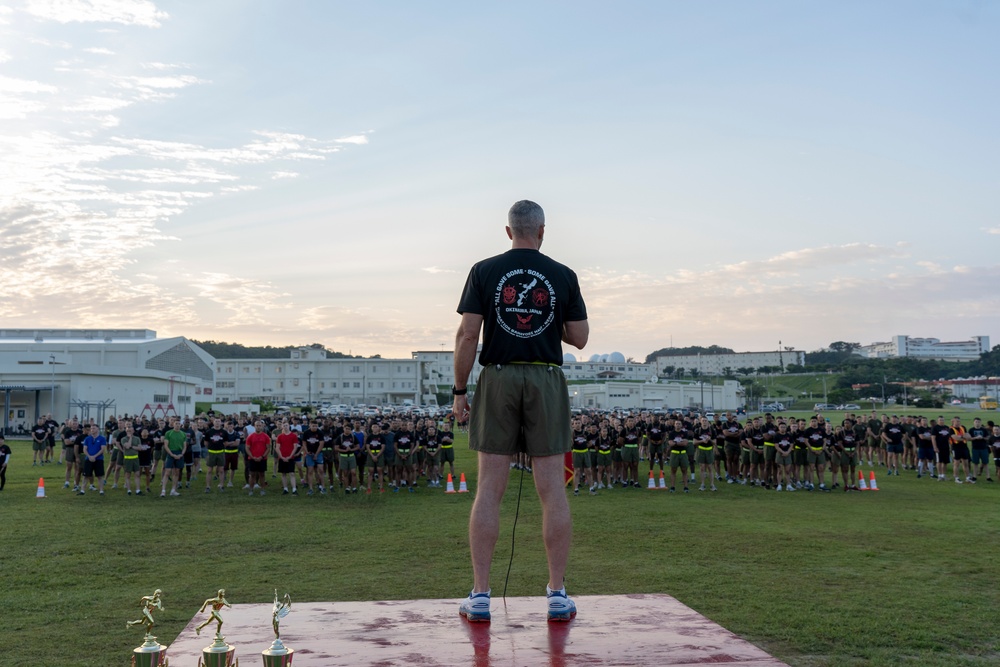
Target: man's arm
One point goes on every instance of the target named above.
(466, 341)
(576, 333)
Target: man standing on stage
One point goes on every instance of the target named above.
(526, 305)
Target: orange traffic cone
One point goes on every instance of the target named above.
(652, 482)
(41, 488)
(861, 481)
(872, 484)
(663, 481)
(462, 488)
(450, 488)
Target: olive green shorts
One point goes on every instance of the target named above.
(131, 465)
(706, 456)
(769, 453)
(782, 459)
(616, 455)
(448, 454)
(817, 458)
(581, 460)
(655, 450)
(348, 462)
(375, 461)
(799, 457)
(521, 407)
(216, 460)
(678, 459)
(744, 456)
(835, 459)
(630, 454)
(603, 460)
(849, 458)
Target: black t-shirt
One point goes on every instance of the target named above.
(313, 441)
(40, 432)
(979, 434)
(215, 439)
(4, 454)
(524, 298)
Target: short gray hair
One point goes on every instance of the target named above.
(525, 218)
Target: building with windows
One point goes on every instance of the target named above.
(927, 348)
(96, 373)
(700, 396)
(718, 364)
(311, 377)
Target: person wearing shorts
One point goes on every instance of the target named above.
(231, 447)
(215, 440)
(39, 441)
(346, 445)
(4, 460)
(817, 443)
(72, 436)
(849, 444)
(258, 449)
(960, 452)
(175, 443)
(978, 437)
(995, 448)
(447, 447)
(95, 446)
(628, 442)
(581, 459)
(942, 433)
(312, 445)
(130, 444)
(784, 447)
(925, 448)
(287, 450)
(678, 439)
(145, 458)
(892, 436)
(705, 451)
(375, 457)
(526, 305)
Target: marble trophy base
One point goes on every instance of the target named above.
(219, 654)
(150, 654)
(278, 655)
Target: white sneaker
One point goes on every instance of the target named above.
(958, 481)
(65, 485)
(713, 488)
(701, 488)
(174, 493)
(246, 487)
(779, 488)
(790, 488)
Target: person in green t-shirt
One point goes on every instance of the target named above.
(174, 446)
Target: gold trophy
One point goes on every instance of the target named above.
(219, 653)
(151, 653)
(278, 655)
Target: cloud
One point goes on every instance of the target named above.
(127, 12)
(436, 270)
(100, 51)
(358, 139)
(87, 206)
(992, 230)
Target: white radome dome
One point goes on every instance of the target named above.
(569, 358)
(616, 358)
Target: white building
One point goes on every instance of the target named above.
(927, 348)
(716, 364)
(652, 396)
(309, 376)
(92, 373)
(598, 368)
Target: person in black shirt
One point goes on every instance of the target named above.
(978, 437)
(526, 305)
(941, 434)
(39, 439)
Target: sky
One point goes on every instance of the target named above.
(721, 172)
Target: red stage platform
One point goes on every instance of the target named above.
(609, 630)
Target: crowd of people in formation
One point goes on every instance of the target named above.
(376, 455)
(775, 453)
(320, 455)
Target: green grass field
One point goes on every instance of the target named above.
(905, 576)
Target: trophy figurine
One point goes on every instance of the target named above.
(151, 653)
(278, 655)
(219, 653)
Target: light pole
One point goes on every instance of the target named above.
(187, 396)
(309, 400)
(52, 394)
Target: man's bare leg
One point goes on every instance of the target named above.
(557, 523)
(484, 521)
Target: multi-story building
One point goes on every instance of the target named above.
(310, 376)
(718, 364)
(657, 395)
(927, 348)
